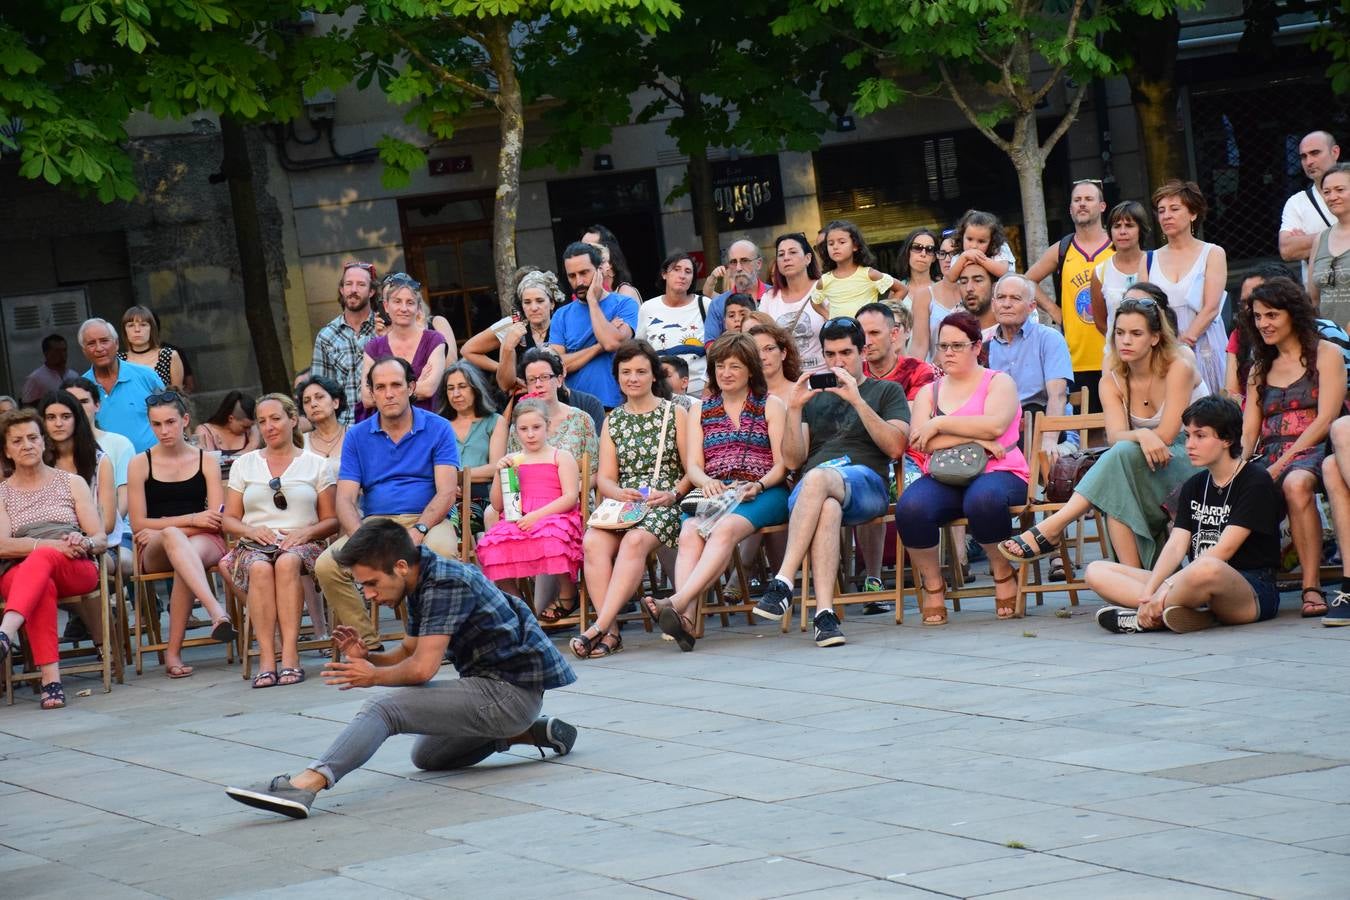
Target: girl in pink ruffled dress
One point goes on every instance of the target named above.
(546, 540)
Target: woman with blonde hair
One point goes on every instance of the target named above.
(409, 339)
(280, 505)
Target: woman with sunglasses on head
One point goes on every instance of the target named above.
(1296, 389)
(1329, 259)
(1146, 386)
(49, 534)
(230, 431)
(280, 503)
(409, 339)
(174, 496)
(537, 295)
(932, 297)
(794, 301)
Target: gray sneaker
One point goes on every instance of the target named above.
(278, 796)
(553, 733)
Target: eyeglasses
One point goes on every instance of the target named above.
(405, 280)
(278, 498)
(539, 379)
(946, 254)
(955, 347)
(163, 398)
(744, 262)
(354, 264)
(1331, 273)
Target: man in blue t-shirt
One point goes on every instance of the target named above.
(403, 463)
(586, 333)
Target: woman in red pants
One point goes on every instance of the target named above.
(49, 533)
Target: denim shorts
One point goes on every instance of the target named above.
(866, 496)
(1267, 594)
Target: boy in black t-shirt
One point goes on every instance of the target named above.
(1228, 523)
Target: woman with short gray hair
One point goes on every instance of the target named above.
(537, 296)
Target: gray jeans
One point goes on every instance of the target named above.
(458, 723)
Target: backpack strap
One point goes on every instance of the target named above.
(1064, 243)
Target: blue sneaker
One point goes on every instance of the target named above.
(776, 602)
(1338, 610)
(827, 629)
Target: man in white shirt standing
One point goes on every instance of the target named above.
(1305, 212)
(49, 375)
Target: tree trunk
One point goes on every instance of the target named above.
(506, 204)
(705, 210)
(262, 326)
(1152, 80)
(1026, 159)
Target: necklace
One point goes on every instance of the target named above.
(1148, 390)
(1228, 488)
(328, 445)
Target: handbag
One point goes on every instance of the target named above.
(1067, 471)
(618, 515)
(960, 465)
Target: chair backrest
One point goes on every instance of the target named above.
(585, 464)
(1039, 463)
(465, 516)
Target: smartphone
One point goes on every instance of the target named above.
(378, 306)
(821, 380)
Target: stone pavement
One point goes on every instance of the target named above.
(1038, 758)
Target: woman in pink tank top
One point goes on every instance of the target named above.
(971, 403)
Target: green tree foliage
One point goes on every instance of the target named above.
(997, 60)
(722, 78)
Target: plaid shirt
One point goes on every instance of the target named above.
(337, 356)
(492, 634)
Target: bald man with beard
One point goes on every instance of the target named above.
(1305, 212)
(739, 275)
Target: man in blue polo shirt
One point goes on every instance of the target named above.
(586, 333)
(1035, 356)
(405, 462)
(122, 386)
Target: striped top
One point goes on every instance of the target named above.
(731, 453)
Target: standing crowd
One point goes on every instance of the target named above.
(772, 408)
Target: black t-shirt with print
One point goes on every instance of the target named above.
(1250, 501)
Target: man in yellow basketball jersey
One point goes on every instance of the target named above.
(1071, 261)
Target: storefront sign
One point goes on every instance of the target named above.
(747, 193)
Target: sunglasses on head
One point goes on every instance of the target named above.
(354, 264)
(403, 279)
(1096, 181)
(278, 498)
(162, 398)
(843, 322)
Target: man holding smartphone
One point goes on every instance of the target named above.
(843, 430)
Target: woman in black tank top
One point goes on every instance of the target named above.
(176, 522)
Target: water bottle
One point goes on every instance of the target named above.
(511, 511)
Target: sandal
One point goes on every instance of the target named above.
(4, 647)
(295, 675)
(652, 607)
(265, 680)
(1026, 552)
(938, 614)
(555, 612)
(678, 627)
(1314, 608)
(1057, 569)
(603, 649)
(179, 671)
(582, 645)
(1005, 610)
(53, 695)
(222, 630)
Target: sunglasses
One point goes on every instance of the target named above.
(925, 249)
(278, 498)
(354, 264)
(843, 322)
(1138, 303)
(162, 398)
(404, 279)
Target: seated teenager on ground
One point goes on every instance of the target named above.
(1228, 524)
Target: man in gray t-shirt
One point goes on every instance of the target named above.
(843, 438)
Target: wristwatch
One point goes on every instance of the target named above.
(421, 529)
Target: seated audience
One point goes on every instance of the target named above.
(982, 243)
(794, 303)
(675, 372)
(740, 275)
(569, 428)
(614, 265)
(1130, 227)
(737, 307)
(735, 445)
(843, 438)
(119, 451)
(1330, 250)
(71, 447)
(403, 464)
(1147, 385)
(778, 358)
(280, 506)
(1295, 391)
(586, 333)
(49, 534)
(673, 321)
(470, 412)
(324, 402)
(537, 296)
(642, 460)
(543, 534)
(848, 282)
(7, 403)
(175, 497)
(407, 338)
(1034, 355)
(1227, 525)
(230, 431)
(968, 404)
(122, 386)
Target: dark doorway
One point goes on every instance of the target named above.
(627, 204)
(447, 243)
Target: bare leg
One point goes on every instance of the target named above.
(1123, 543)
(928, 571)
(1305, 524)
(825, 553)
(11, 623)
(872, 540)
(188, 558)
(1214, 583)
(288, 600)
(818, 485)
(1053, 525)
(1116, 583)
(1338, 492)
(1005, 586)
(705, 560)
(262, 613)
(317, 617)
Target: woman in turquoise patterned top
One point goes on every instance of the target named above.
(642, 438)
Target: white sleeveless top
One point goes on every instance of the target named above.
(801, 321)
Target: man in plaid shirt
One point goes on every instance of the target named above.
(339, 345)
(504, 660)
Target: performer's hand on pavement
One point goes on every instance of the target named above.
(356, 673)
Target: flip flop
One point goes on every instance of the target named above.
(179, 671)
(297, 674)
(223, 631)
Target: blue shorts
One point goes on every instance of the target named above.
(1267, 594)
(866, 496)
(769, 508)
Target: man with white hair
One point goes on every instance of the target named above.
(1034, 355)
(122, 386)
(739, 275)
(1305, 212)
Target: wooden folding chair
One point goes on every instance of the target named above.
(712, 602)
(247, 651)
(148, 634)
(843, 598)
(102, 664)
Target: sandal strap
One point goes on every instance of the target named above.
(928, 590)
(1012, 576)
(1312, 590)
